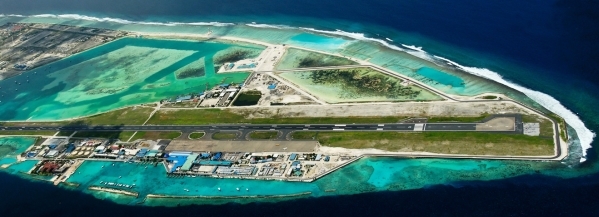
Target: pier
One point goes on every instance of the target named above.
(69, 172)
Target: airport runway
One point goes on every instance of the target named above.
(252, 127)
(245, 129)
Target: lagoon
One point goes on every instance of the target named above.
(125, 72)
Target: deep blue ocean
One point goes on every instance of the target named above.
(556, 44)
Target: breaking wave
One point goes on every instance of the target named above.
(257, 25)
(121, 21)
(585, 135)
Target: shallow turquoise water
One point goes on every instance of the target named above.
(22, 167)
(125, 72)
(317, 42)
(10, 159)
(393, 60)
(20, 143)
(441, 77)
(367, 175)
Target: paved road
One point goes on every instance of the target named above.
(556, 133)
(252, 127)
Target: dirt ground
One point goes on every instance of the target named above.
(282, 94)
(407, 109)
(242, 146)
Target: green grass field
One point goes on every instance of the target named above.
(264, 134)
(546, 127)
(196, 135)
(304, 135)
(224, 136)
(125, 116)
(155, 135)
(474, 143)
(24, 132)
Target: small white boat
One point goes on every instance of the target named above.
(218, 189)
(186, 190)
(247, 189)
(237, 189)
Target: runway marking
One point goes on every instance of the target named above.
(381, 125)
(338, 129)
(419, 127)
(340, 125)
(379, 128)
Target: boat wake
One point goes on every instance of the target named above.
(585, 135)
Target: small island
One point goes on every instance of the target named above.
(204, 108)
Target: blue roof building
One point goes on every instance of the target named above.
(70, 148)
(217, 156)
(272, 86)
(296, 165)
(189, 162)
(177, 161)
(142, 152)
(292, 156)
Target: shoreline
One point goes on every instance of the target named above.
(448, 97)
(445, 97)
(14, 73)
(227, 197)
(114, 190)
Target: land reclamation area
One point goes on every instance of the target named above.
(25, 46)
(137, 70)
